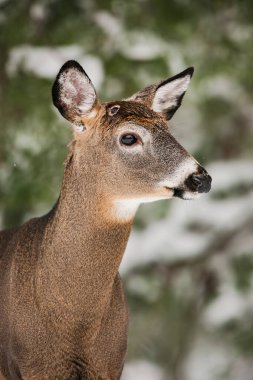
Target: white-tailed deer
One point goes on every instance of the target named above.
(63, 314)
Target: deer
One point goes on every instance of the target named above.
(63, 311)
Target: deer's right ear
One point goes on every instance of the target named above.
(73, 93)
(166, 96)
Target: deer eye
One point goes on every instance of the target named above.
(128, 139)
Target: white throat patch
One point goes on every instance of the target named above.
(125, 209)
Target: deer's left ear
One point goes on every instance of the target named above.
(166, 97)
(74, 94)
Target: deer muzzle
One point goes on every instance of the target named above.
(195, 184)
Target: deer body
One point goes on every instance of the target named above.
(63, 312)
(65, 266)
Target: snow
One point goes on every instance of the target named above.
(45, 62)
(241, 369)
(25, 140)
(230, 305)
(208, 360)
(142, 370)
(142, 46)
(235, 172)
(136, 44)
(211, 359)
(108, 23)
(142, 286)
(38, 12)
(175, 58)
(222, 86)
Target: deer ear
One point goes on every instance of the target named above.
(73, 93)
(166, 97)
(169, 93)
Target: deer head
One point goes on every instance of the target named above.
(126, 145)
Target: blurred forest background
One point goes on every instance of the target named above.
(188, 269)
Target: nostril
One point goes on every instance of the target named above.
(197, 180)
(194, 182)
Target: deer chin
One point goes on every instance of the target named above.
(186, 194)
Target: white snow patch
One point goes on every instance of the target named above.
(138, 44)
(142, 370)
(174, 58)
(45, 62)
(241, 368)
(38, 12)
(28, 141)
(142, 46)
(221, 85)
(234, 173)
(108, 23)
(211, 359)
(207, 360)
(228, 306)
(141, 286)
(239, 32)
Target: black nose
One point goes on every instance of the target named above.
(200, 182)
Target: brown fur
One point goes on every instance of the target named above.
(64, 302)
(63, 313)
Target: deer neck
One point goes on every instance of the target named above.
(84, 245)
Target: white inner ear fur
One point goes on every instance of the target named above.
(77, 91)
(167, 96)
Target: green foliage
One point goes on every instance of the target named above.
(243, 271)
(162, 321)
(240, 335)
(151, 212)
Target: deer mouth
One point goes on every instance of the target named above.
(178, 193)
(183, 193)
